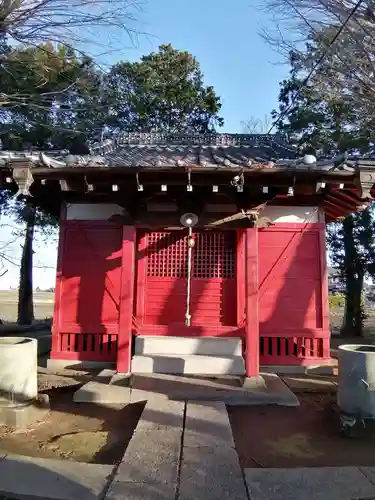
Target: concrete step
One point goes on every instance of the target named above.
(188, 364)
(204, 346)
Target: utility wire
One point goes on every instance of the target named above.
(318, 63)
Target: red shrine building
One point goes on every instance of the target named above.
(192, 254)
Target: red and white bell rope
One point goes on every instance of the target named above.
(189, 268)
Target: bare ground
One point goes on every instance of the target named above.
(72, 431)
(307, 436)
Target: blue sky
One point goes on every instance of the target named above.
(224, 36)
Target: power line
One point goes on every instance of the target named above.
(318, 63)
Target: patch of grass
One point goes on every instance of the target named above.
(336, 300)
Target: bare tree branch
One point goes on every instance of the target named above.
(256, 125)
(305, 27)
(67, 21)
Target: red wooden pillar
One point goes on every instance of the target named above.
(251, 303)
(55, 347)
(126, 299)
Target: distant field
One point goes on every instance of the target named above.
(43, 309)
(43, 305)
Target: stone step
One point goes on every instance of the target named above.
(188, 364)
(204, 346)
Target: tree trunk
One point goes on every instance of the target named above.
(25, 294)
(354, 276)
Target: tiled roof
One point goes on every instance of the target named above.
(210, 151)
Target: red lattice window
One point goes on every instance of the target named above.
(213, 255)
(167, 255)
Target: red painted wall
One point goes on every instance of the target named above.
(88, 291)
(286, 304)
(293, 306)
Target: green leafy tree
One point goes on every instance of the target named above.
(163, 92)
(330, 126)
(53, 97)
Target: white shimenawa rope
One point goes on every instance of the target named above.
(190, 249)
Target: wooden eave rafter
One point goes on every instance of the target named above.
(336, 202)
(178, 175)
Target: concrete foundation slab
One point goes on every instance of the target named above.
(158, 387)
(326, 483)
(104, 394)
(326, 368)
(107, 388)
(56, 365)
(310, 383)
(207, 425)
(121, 379)
(26, 477)
(276, 392)
(226, 389)
(212, 474)
(105, 376)
(183, 387)
(21, 416)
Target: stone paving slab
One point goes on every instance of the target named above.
(161, 414)
(211, 474)
(320, 483)
(151, 457)
(207, 425)
(27, 477)
(369, 472)
(153, 453)
(137, 395)
(140, 491)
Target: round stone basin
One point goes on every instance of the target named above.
(18, 370)
(356, 391)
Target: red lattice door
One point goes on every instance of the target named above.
(162, 283)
